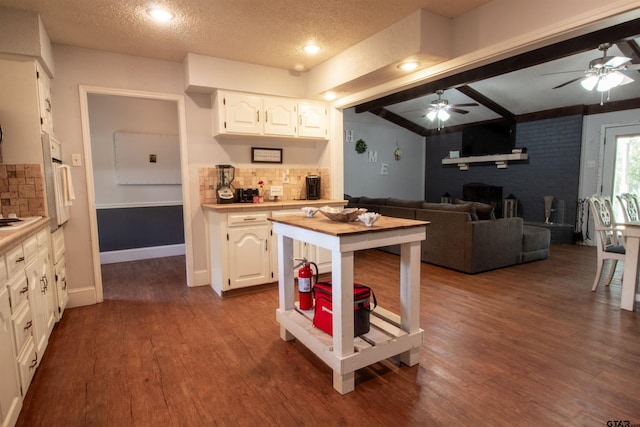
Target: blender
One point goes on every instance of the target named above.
(226, 174)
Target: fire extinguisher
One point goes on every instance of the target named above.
(305, 284)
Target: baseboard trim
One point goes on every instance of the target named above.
(81, 297)
(135, 254)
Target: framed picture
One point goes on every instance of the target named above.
(266, 155)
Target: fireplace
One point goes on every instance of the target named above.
(489, 194)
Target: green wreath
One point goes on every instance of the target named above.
(361, 146)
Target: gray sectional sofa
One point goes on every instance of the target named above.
(465, 236)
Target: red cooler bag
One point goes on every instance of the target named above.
(323, 312)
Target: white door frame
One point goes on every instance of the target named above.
(608, 147)
(85, 91)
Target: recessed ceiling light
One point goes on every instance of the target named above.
(160, 15)
(312, 48)
(330, 96)
(408, 66)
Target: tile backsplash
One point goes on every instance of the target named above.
(22, 190)
(249, 178)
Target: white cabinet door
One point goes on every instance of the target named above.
(10, 395)
(44, 95)
(40, 298)
(241, 113)
(279, 116)
(312, 122)
(249, 256)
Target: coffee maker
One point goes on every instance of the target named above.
(313, 187)
(226, 174)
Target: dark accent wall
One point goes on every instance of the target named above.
(553, 167)
(140, 227)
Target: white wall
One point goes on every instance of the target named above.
(110, 114)
(362, 175)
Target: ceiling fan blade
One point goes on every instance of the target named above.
(469, 104)
(617, 61)
(563, 72)
(569, 82)
(457, 110)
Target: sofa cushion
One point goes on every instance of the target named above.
(466, 207)
(481, 210)
(404, 203)
(372, 201)
(398, 212)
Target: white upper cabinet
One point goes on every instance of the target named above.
(312, 122)
(279, 116)
(44, 95)
(245, 114)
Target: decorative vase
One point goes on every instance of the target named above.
(548, 201)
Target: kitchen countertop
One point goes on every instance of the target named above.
(285, 204)
(9, 239)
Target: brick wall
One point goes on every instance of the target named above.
(553, 167)
(249, 178)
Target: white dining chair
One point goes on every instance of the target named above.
(608, 236)
(630, 209)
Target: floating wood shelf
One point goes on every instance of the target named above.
(501, 160)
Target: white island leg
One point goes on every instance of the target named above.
(285, 280)
(342, 284)
(410, 296)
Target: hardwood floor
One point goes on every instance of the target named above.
(528, 345)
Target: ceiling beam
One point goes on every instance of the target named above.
(400, 121)
(489, 103)
(586, 42)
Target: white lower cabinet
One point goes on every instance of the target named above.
(27, 317)
(243, 250)
(10, 394)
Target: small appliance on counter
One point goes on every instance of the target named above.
(313, 187)
(226, 174)
(245, 195)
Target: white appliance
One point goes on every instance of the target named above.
(59, 188)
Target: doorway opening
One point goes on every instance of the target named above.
(621, 168)
(117, 129)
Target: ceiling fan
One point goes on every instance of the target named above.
(604, 73)
(441, 109)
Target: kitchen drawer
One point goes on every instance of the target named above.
(30, 247)
(27, 363)
(15, 260)
(19, 291)
(22, 327)
(43, 237)
(244, 219)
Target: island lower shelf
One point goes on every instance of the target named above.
(384, 340)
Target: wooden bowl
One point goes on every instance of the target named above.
(342, 215)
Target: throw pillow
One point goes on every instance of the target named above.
(482, 211)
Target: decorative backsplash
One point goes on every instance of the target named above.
(22, 190)
(249, 178)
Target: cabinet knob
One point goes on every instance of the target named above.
(19, 259)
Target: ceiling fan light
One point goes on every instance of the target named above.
(431, 115)
(609, 81)
(590, 82)
(443, 115)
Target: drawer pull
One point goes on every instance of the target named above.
(24, 290)
(28, 325)
(19, 259)
(250, 218)
(45, 284)
(34, 362)
(64, 283)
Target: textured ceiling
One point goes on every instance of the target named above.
(269, 32)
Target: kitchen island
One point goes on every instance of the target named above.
(390, 334)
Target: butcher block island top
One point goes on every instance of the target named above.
(324, 225)
(390, 334)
